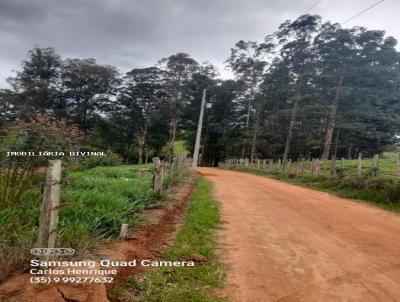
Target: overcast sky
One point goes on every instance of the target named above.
(137, 33)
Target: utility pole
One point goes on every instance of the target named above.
(198, 134)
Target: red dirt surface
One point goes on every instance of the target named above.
(146, 242)
(286, 243)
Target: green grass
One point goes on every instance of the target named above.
(382, 191)
(101, 199)
(98, 201)
(184, 284)
(180, 147)
(387, 166)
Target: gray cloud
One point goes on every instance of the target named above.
(137, 33)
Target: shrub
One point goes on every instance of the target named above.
(110, 159)
(18, 173)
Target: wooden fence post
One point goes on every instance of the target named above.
(376, 164)
(158, 175)
(312, 166)
(318, 166)
(359, 163)
(50, 205)
(124, 231)
(179, 164)
(342, 166)
(332, 169)
(302, 165)
(172, 170)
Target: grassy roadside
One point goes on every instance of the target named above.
(98, 201)
(382, 192)
(195, 237)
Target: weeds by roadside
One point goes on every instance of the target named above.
(195, 238)
(97, 202)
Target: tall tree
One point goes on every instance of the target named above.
(88, 87)
(143, 90)
(335, 49)
(370, 111)
(248, 62)
(36, 82)
(295, 39)
(178, 69)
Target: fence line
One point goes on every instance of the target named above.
(312, 166)
(48, 219)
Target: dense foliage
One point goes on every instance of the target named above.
(310, 89)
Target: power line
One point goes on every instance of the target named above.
(312, 6)
(360, 13)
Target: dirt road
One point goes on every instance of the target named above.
(287, 243)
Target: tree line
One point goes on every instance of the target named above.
(312, 89)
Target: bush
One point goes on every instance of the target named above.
(110, 159)
(18, 174)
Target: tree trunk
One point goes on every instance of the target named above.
(332, 117)
(142, 142)
(140, 152)
(248, 113)
(128, 148)
(290, 132)
(254, 141)
(349, 149)
(83, 115)
(172, 136)
(332, 170)
(246, 131)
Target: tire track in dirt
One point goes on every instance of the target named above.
(286, 243)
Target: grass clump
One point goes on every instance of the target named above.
(97, 201)
(100, 200)
(184, 284)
